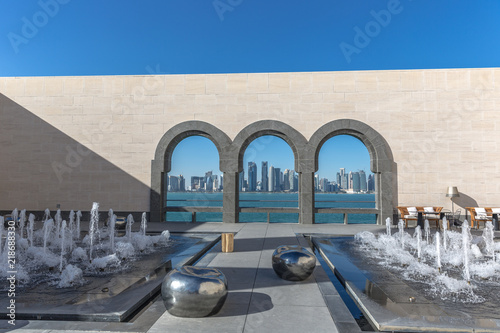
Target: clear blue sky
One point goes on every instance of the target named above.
(195, 155)
(181, 36)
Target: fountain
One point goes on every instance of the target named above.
(94, 226)
(144, 224)
(402, 282)
(438, 250)
(112, 224)
(58, 221)
(22, 221)
(418, 236)
(78, 217)
(130, 221)
(388, 226)
(465, 247)
(31, 227)
(47, 229)
(77, 273)
(63, 252)
(427, 230)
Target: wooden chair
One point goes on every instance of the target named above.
(477, 215)
(435, 217)
(407, 216)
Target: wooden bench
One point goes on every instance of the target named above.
(483, 215)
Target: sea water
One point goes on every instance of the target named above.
(263, 199)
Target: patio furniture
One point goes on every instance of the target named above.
(293, 262)
(433, 214)
(408, 214)
(477, 215)
(194, 292)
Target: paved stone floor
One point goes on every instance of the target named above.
(258, 300)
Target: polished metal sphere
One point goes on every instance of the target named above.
(293, 262)
(194, 292)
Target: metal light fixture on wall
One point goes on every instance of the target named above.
(452, 193)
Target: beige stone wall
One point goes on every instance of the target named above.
(74, 140)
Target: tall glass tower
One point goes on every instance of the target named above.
(264, 177)
(252, 176)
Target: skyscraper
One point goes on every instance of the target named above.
(277, 179)
(344, 180)
(242, 180)
(208, 181)
(323, 184)
(355, 181)
(362, 181)
(371, 183)
(182, 183)
(264, 177)
(316, 182)
(252, 176)
(271, 179)
(286, 180)
(173, 183)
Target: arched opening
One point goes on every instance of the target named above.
(344, 180)
(268, 181)
(194, 181)
(161, 165)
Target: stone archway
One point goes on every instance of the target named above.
(381, 160)
(295, 140)
(163, 157)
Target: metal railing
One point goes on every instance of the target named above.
(269, 210)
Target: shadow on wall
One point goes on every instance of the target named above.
(464, 201)
(41, 167)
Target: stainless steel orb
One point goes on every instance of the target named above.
(293, 262)
(194, 292)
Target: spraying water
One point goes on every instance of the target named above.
(15, 215)
(401, 227)
(63, 233)
(78, 217)
(46, 215)
(47, 229)
(22, 221)
(427, 230)
(71, 228)
(438, 250)
(489, 235)
(144, 224)
(58, 220)
(112, 224)
(110, 215)
(388, 226)
(465, 247)
(445, 226)
(31, 226)
(418, 235)
(130, 221)
(94, 225)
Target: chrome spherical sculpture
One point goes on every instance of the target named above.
(293, 262)
(194, 292)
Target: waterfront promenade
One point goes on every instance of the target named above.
(258, 300)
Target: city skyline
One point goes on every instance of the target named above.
(342, 151)
(272, 179)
